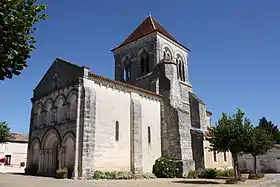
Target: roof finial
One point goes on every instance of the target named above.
(150, 14)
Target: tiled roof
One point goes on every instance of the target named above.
(209, 113)
(148, 26)
(15, 137)
(124, 84)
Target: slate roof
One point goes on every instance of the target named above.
(148, 26)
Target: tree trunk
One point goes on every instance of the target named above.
(235, 166)
(255, 164)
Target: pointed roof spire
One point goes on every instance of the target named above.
(148, 26)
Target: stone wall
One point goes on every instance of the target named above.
(67, 74)
(88, 131)
(133, 51)
(43, 121)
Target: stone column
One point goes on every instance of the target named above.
(88, 133)
(62, 157)
(137, 156)
(50, 160)
(78, 137)
(40, 160)
(45, 161)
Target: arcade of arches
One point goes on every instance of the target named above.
(53, 153)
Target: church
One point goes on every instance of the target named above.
(87, 122)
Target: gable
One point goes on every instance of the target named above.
(59, 75)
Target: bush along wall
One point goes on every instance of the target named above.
(119, 175)
(167, 168)
(211, 173)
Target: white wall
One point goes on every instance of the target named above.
(18, 152)
(220, 162)
(113, 104)
(268, 162)
(150, 117)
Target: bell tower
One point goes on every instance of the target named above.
(151, 58)
(140, 53)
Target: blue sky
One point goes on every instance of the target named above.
(234, 58)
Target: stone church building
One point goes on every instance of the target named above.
(87, 122)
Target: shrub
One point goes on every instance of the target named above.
(110, 175)
(225, 173)
(32, 170)
(208, 174)
(231, 181)
(165, 168)
(194, 174)
(149, 176)
(255, 176)
(62, 173)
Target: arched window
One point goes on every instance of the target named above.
(127, 69)
(180, 68)
(38, 116)
(145, 63)
(167, 53)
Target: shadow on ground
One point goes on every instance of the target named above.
(19, 174)
(196, 182)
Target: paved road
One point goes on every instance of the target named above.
(9, 180)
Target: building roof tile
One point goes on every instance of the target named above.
(148, 26)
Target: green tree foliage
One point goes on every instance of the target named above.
(17, 18)
(270, 128)
(260, 142)
(231, 133)
(4, 132)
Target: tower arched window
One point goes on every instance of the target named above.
(127, 69)
(145, 63)
(167, 53)
(180, 68)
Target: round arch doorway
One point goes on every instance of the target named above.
(51, 161)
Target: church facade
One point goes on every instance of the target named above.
(86, 122)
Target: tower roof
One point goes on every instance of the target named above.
(148, 26)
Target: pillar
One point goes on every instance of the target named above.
(41, 156)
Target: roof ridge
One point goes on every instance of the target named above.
(152, 21)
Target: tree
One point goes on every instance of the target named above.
(231, 133)
(270, 128)
(260, 142)
(17, 18)
(4, 132)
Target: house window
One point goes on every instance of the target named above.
(225, 156)
(117, 131)
(149, 135)
(8, 160)
(215, 156)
